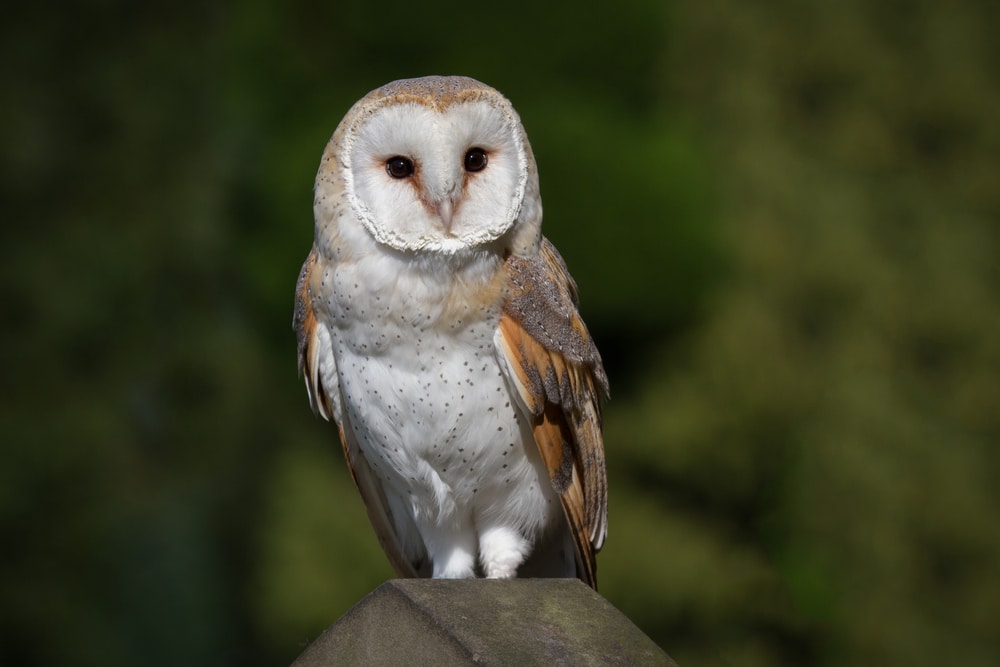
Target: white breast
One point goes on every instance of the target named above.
(428, 403)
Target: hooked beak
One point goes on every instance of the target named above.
(445, 208)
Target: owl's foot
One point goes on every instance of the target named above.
(501, 552)
(453, 555)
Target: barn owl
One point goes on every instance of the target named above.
(439, 329)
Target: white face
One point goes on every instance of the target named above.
(436, 180)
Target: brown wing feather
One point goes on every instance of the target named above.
(305, 325)
(554, 443)
(557, 371)
(310, 348)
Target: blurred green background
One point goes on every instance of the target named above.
(785, 224)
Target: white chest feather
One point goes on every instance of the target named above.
(425, 396)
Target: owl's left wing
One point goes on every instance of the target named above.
(319, 368)
(551, 360)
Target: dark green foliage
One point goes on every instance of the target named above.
(785, 223)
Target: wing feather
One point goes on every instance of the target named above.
(553, 364)
(318, 367)
(311, 343)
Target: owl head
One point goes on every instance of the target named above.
(432, 165)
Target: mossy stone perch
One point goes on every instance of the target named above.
(484, 622)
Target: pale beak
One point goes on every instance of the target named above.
(445, 208)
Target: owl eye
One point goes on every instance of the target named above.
(475, 159)
(399, 167)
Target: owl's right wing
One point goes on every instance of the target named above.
(316, 362)
(318, 367)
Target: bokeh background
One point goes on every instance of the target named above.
(785, 222)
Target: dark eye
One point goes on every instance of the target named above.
(475, 159)
(399, 167)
